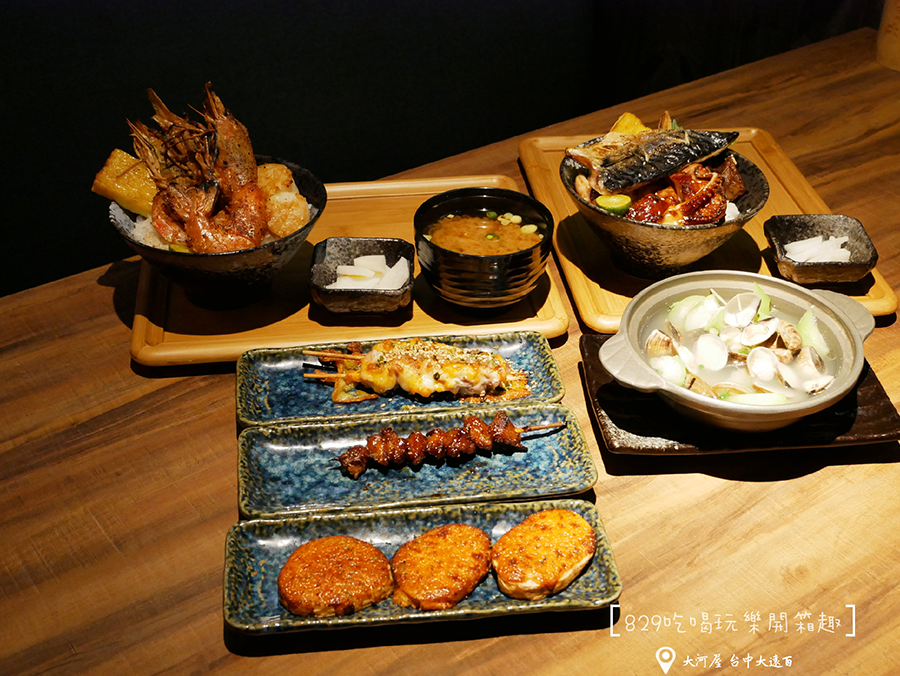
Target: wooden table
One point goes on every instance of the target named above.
(119, 482)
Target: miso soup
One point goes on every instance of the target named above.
(485, 234)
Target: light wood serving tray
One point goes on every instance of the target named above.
(601, 291)
(170, 330)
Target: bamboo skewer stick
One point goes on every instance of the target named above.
(333, 355)
(534, 428)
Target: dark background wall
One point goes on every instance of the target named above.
(352, 90)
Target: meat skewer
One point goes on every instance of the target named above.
(388, 448)
(420, 367)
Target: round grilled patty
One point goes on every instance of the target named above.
(543, 554)
(441, 567)
(334, 575)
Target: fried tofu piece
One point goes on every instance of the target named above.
(334, 575)
(126, 180)
(543, 554)
(287, 209)
(441, 567)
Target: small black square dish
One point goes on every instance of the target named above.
(334, 251)
(783, 230)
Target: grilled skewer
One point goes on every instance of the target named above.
(420, 367)
(387, 448)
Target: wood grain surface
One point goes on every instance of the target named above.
(118, 482)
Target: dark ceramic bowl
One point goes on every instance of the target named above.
(235, 277)
(782, 230)
(654, 251)
(334, 251)
(482, 281)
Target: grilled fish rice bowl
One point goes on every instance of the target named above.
(656, 250)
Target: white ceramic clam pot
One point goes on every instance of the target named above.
(844, 323)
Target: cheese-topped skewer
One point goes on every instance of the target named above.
(424, 368)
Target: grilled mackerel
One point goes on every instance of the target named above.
(620, 162)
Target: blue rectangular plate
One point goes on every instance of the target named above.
(271, 386)
(256, 550)
(291, 469)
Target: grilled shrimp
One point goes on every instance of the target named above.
(179, 149)
(235, 163)
(206, 176)
(165, 221)
(193, 206)
(234, 227)
(242, 223)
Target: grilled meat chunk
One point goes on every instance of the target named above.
(441, 567)
(543, 554)
(334, 575)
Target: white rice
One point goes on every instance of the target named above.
(146, 234)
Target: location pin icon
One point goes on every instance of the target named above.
(665, 656)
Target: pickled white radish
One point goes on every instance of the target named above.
(375, 262)
(371, 272)
(818, 250)
(350, 282)
(396, 276)
(354, 271)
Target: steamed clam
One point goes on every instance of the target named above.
(789, 336)
(659, 344)
(785, 356)
(740, 349)
(741, 309)
(695, 384)
(813, 368)
(761, 332)
(711, 352)
(809, 362)
(817, 385)
(762, 364)
(726, 389)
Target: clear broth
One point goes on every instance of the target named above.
(734, 371)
